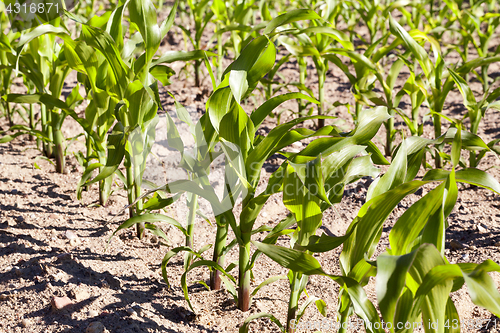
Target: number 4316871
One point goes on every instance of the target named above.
(34, 8)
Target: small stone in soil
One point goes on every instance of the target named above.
(456, 245)
(64, 257)
(25, 323)
(19, 218)
(139, 310)
(93, 313)
(70, 235)
(79, 294)
(131, 312)
(96, 327)
(113, 282)
(59, 303)
(481, 228)
(74, 242)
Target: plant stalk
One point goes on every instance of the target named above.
(244, 273)
(293, 302)
(59, 150)
(389, 125)
(130, 184)
(218, 256)
(219, 53)
(32, 120)
(437, 133)
(193, 204)
(140, 226)
(321, 87)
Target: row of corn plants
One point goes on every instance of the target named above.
(120, 70)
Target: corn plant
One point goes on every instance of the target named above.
(435, 84)
(201, 14)
(476, 111)
(6, 51)
(47, 71)
(478, 28)
(131, 98)
(418, 233)
(316, 41)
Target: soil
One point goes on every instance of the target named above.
(53, 245)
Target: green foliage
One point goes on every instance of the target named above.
(120, 69)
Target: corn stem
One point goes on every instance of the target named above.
(244, 273)
(193, 204)
(218, 256)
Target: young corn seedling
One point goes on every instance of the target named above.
(314, 180)
(435, 84)
(201, 14)
(476, 111)
(6, 52)
(424, 222)
(316, 41)
(478, 26)
(132, 98)
(245, 153)
(47, 71)
(417, 240)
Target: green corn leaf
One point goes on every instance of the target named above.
(114, 26)
(469, 99)
(470, 141)
(268, 145)
(103, 42)
(303, 203)
(116, 152)
(266, 282)
(238, 83)
(218, 106)
(411, 223)
(170, 254)
(172, 56)
(370, 221)
(376, 155)
(453, 317)
(162, 73)
(298, 261)
(395, 175)
(268, 106)
(481, 287)
(149, 217)
(319, 303)
(337, 35)
(391, 279)
(143, 14)
(291, 16)
(417, 50)
(294, 260)
(169, 21)
(245, 326)
(470, 176)
(325, 243)
(156, 202)
(456, 147)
